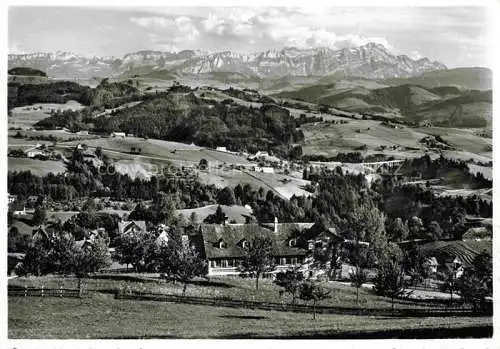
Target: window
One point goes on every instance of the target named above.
(294, 260)
(213, 264)
(224, 263)
(282, 261)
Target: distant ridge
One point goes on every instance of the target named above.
(371, 61)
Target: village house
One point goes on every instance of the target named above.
(38, 150)
(223, 149)
(263, 169)
(131, 227)
(117, 134)
(223, 245)
(11, 198)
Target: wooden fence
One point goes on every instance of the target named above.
(432, 310)
(43, 292)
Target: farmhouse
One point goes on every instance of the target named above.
(224, 149)
(38, 150)
(223, 245)
(117, 134)
(263, 169)
(131, 227)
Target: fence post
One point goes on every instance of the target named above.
(25, 290)
(42, 290)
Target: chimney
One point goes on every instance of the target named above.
(275, 225)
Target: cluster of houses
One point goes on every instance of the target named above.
(40, 151)
(293, 244)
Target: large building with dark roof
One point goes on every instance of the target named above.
(223, 245)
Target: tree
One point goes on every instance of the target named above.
(89, 259)
(193, 218)
(134, 249)
(415, 226)
(398, 231)
(415, 264)
(203, 165)
(313, 291)
(258, 259)
(98, 152)
(390, 280)
(226, 197)
(290, 281)
(39, 216)
(180, 261)
(358, 278)
(476, 283)
(434, 231)
(219, 217)
(450, 280)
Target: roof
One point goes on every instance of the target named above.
(446, 251)
(127, 225)
(234, 234)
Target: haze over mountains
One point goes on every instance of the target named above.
(372, 61)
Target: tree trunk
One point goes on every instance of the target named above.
(184, 289)
(357, 295)
(257, 282)
(80, 290)
(314, 309)
(392, 301)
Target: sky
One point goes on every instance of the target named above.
(455, 36)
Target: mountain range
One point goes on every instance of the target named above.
(371, 61)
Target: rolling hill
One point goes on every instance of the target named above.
(445, 106)
(467, 78)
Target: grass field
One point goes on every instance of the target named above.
(232, 212)
(462, 138)
(332, 138)
(103, 317)
(37, 167)
(342, 295)
(22, 143)
(177, 153)
(27, 116)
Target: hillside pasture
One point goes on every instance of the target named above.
(223, 178)
(286, 186)
(327, 139)
(180, 154)
(27, 116)
(37, 167)
(23, 143)
(235, 212)
(60, 134)
(463, 139)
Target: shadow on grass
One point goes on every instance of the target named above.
(244, 317)
(118, 277)
(142, 337)
(211, 283)
(424, 333)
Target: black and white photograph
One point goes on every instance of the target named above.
(302, 171)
